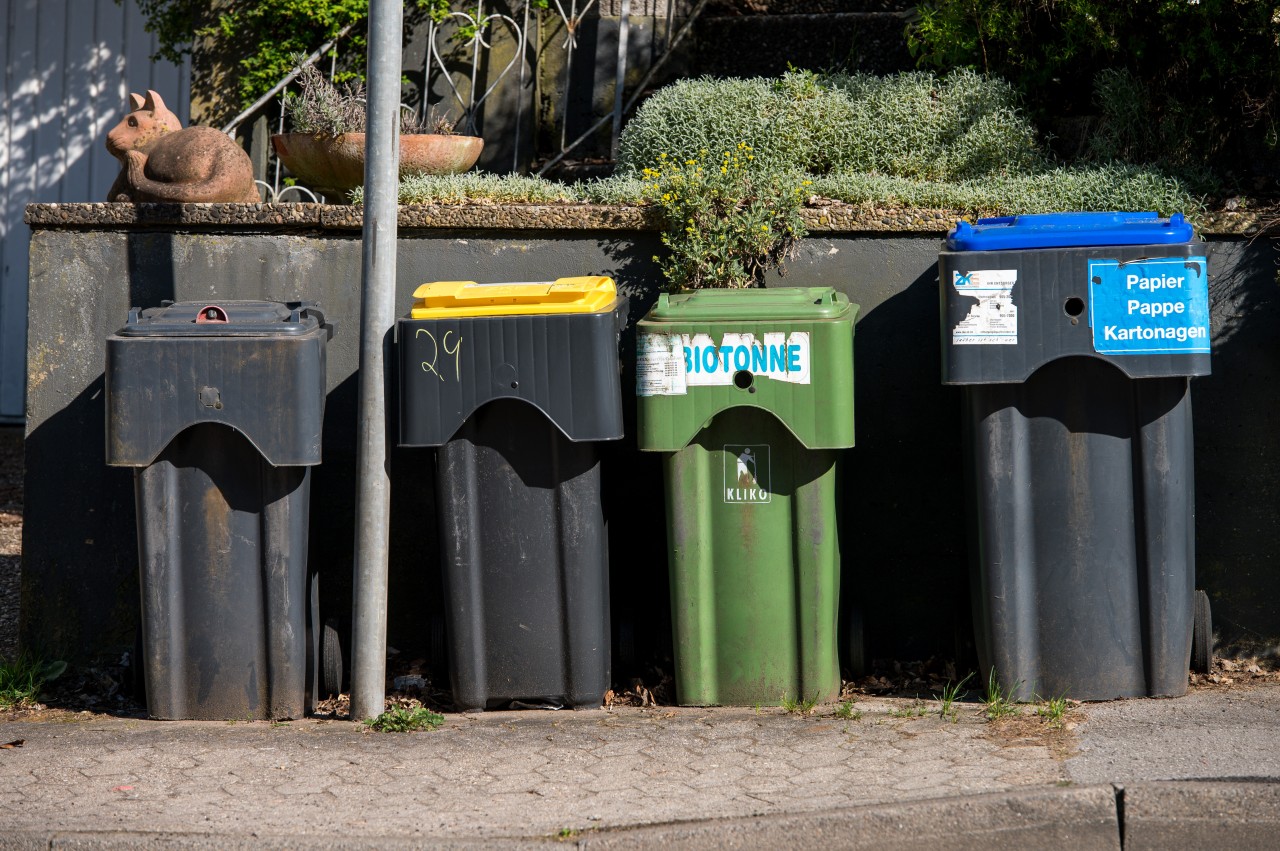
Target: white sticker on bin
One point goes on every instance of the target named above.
(993, 321)
(669, 364)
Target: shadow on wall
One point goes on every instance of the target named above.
(1237, 465)
(905, 565)
(634, 499)
(101, 490)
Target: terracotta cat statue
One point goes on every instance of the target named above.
(162, 161)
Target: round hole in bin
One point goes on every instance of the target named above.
(743, 379)
(1073, 306)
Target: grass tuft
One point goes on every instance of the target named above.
(1053, 711)
(951, 692)
(999, 703)
(803, 706)
(916, 709)
(22, 678)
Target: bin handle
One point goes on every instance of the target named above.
(211, 313)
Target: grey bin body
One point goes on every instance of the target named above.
(517, 406)
(1079, 475)
(222, 423)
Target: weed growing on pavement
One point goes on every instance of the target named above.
(400, 719)
(803, 706)
(567, 833)
(950, 694)
(22, 678)
(916, 709)
(1053, 711)
(999, 703)
(846, 711)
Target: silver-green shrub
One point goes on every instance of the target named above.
(905, 125)
(1107, 187)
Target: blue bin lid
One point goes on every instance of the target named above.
(1068, 230)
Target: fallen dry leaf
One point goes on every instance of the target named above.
(16, 743)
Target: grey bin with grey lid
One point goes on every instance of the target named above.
(1075, 337)
(219, 410)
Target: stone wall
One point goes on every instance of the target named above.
(905, 543)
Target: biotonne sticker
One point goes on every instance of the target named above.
(1154, 306)
(669, 364)
(993, 321)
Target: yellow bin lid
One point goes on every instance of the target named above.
(588, 294)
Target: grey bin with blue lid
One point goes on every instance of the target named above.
(219, 409)
(1074, 336)
(516, 385)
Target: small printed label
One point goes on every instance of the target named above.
(659, 366)
(1154, 306)
(993, 321)
(746, 473)
(669, 364)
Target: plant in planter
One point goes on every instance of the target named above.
(326, 149)
(726, 222)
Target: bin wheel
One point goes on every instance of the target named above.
(330, 660)
(855, 645)
(1202, 635)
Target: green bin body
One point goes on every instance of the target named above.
(749, 395)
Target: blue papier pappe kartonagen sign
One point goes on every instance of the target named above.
(1153, 306)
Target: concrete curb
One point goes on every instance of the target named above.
(1168, 815)
(1240, 814)
(1070, 817)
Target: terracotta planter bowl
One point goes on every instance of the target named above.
(334, 165)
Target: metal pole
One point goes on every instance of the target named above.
(624, 27)
(377, 314)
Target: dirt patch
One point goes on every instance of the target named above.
(1028, 729)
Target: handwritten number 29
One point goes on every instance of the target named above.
(437, 347)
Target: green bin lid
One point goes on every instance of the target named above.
(678, 394)
(779, 303)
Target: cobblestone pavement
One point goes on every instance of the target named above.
(533, 773)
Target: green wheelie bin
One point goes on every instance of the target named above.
(749, 395)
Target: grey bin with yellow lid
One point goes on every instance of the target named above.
(515, 385)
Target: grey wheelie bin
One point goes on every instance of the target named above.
(218, 408)
(1075, 337)
(516, 385)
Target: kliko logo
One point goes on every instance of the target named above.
(746, 473)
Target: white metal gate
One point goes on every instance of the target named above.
(68, 68)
